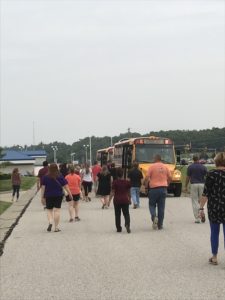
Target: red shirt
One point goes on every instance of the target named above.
(122, 191)
(95, 170)
(42, 172)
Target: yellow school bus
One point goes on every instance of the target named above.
(143, 151)
(105, 155)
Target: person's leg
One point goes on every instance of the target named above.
(14, 192)
(133, 196)
(76, 208)
(50, 218)
(110, 199)
(214, 239)
(95, 186)
(117, 209)
(71, 210)
(106, 199)
(85, 190)
(126, 214)
(17, 192)
(56, 218)
(195, 202)
(89, 190)
(161, 206)
(138, 196)
(152, 203)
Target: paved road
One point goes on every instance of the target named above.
(89, 260)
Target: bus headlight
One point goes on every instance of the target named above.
(176, 175)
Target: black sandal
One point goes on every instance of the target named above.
(49, 227)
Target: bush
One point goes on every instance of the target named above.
(5, 176)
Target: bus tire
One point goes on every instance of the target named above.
(177, 190)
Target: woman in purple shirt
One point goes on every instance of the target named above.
(52, 194)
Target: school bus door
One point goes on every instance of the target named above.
(127, 158)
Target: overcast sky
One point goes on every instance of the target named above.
(80, 68)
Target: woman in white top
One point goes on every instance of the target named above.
(87, 180)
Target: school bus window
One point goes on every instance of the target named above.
(147, 152)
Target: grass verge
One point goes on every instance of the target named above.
(4, 206)
(26, 183)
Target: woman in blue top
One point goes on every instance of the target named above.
(52, 194)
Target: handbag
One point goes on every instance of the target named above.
(64, 191)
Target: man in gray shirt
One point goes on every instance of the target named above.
(196, 173)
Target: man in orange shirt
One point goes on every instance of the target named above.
(158, 178)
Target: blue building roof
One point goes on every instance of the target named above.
(35, 152)
(10, 155)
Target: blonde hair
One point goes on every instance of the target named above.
(220, 159)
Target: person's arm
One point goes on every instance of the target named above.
(38, 183)
(43, 200)
(66, 187)
(202, 203)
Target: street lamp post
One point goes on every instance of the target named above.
(72, 157)
(55, 148)
(85, 147)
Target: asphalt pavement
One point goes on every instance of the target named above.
(90, 260)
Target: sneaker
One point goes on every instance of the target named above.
(77, 219)
(155, 223)
(119, 229)
(135, 206)
(160, 227)
(71, 220)
(197, 221)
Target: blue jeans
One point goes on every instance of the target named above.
(214, 238)
(157, 198)
(135, 192)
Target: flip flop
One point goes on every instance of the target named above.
(213, 261)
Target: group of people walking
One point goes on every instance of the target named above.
(109, 183)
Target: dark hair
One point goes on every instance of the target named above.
(15, 170)
(45, 163)
(119, 172)
(195, 158)
(157, 157)
(135, 165)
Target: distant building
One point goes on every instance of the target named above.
(25, 161)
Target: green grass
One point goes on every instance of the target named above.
(26, 184)
(4, 206)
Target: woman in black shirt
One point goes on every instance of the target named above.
(214, 195)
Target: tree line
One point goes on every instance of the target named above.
(191, 141)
